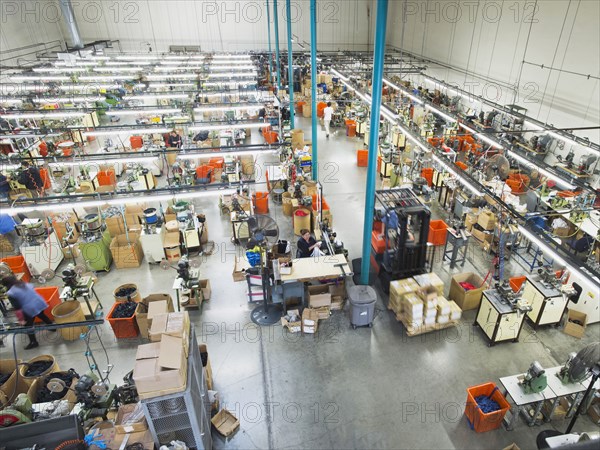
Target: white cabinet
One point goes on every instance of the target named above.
(498, 320)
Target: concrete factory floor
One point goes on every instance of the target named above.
(344, 388)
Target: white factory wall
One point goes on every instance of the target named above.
(32, 24)
(226, 25)
(487, 41)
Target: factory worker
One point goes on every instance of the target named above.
(30, 304)
(307, 245)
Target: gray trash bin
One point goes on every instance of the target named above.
(362, 305)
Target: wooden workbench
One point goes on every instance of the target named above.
(305, 269)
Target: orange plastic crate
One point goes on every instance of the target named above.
(427, 173)
(362, 158)
(106, 178)
(45, 178)
(51, 296)
(438, 229)
(123, 328)
(136, 142)
(261, 203)
(516, 283)
(270, 137)
(478, 420)
(299, 106)
(205, 172)
(320, 108)
(377, 242)
(18, 265)
(462, 165)
(217, 163)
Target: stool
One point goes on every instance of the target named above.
(277, 195)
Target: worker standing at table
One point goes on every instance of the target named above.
(175, 140)
(30, 304)
(327, 115)
(32, 179)
(307, 245)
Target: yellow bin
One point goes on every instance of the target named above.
(29, 379)
(286, 200)
(301, 221)
(69, 312)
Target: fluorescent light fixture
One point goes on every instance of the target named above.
(232, 75)
(223, 154)
(180, 58)
(118, 69)
(227, 108)
(529, 124)
(156, 97)
(562, 138)
(236, 126)
(129, 63)
(118, 201)
(227, 94)
(440, 113)
(40, 78)
(459, 178)
(412, 138)
(230, 56)
(11, 101)
(141, 112)
(52, 115)
(59, 70)
(139, 159)
(77, 64)
(67, 100)
(14, 137)
(163, 85)
(126, 131)
(91, 87)
(11, 89)
(99, 58)
(104, 77)
(175, 69)
(182, 63)
(137, 58)
(470, 130)
(177, 76)
(232, 67)
(229, 83)
(404, 91)
(544, 172)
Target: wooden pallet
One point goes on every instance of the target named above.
(415, 331)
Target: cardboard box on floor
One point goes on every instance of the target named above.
(466, 300)
(293, 327)
(127, 250)
(430, 279)
(143, 314)
(319, 296)
(115, 225)
(160, 367)
(576, 323)
(487, 220)
(125, 424)
(206, 367)
(239, 269)
(206, 289)
(172, 324)
(310, 321)
(225, 422)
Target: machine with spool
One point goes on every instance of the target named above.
(41, 246)
(535, 380)
(187, 284)
(191, 225)
(151, 238)
(95, 243)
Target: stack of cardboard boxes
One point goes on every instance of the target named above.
(161, 366)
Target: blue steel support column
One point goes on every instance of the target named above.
(276, 20)
(313, 86)
(377, 84)
(269, 38)
(288, 17)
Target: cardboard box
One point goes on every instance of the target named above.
(576, 323)
(399, 288)
(160, 366)
(323, 312)
(319, 296)
(175, 324)
(466, 300)
(430, 279)
(487, 220)
(225, 422)
(144, 438)
(428, 294)
(428, 321)
(142, 313)
(443, 307)
(127, 250)
(294, 326)
(206, 367)
(412, 305)
(239, 269)
(470, 220)
(455, 311)
(59, 223)
(172, 245)
(130, 419)
(115, 225)
(206, 289)
(481, 236)
(594, 413)
(429, 313)
(443, 319)
(310, 321)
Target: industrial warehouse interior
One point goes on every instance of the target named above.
(307, 224)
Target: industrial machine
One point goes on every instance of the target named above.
(501, 314)
(534, 380)
(41, 247)
(191, 225)
(406, 228)
(542, 292)
(95, 395)
(187, 283)
(20, 411)
(95, 243)
(151, 238)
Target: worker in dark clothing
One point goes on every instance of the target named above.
(307, 245)
(175, 140)
(30, 304)
(31, 178)
(4, 187)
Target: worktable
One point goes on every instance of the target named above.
(590, 225)
(306, 269)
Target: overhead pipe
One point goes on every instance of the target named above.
(277, 60)
(290, 63)
(377, 87)
(313, 87)
(69, 17)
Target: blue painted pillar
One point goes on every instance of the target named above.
(290, 64)
(276, 20)
(269, 38)
(313, 87)
(377, 84)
